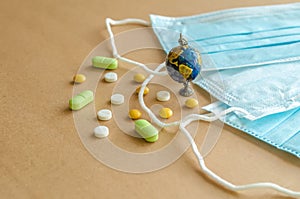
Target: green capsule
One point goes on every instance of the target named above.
(146, 130)
(81, 100)
(105, 62)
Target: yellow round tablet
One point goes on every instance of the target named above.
(165, 113)
(191, 103)
(134, 114)
(146, 91)
(79, 78)
(139, 78)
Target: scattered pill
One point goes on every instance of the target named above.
(111, 77)
(101, 131)
(146, 130)
(191, 103)
(104, 62)
(146, 91)
(139, 78)
(165, 113)
(163, 96)
(134, 114)
(104, 114)
(81, 100)
(79, 78)
(117, 99)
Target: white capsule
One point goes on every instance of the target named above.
(101, 131)
(111, 77)
(163, 96)
(104, 114)
(117, 99)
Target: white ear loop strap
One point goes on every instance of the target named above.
(188, 119)
(109, 23)
(217, 178)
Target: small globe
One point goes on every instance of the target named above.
(183, 63)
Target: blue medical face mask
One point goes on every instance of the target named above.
(250, 60)
(260, 90)
(238, 37)
(281, 130)
(250, 56)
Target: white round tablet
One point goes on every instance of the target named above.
(111, 77)
(163, 96)
(101, 131)
(117, 99)
(104, 114)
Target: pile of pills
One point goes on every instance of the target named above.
(142, 127)
(84, 98)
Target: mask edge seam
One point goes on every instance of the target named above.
(296, 153)
(272, 8)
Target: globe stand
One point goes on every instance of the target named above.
(186, 91)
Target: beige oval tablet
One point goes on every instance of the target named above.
(191, 103)
(139, 78)
(79, 78)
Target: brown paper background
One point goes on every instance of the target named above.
(42, 45)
